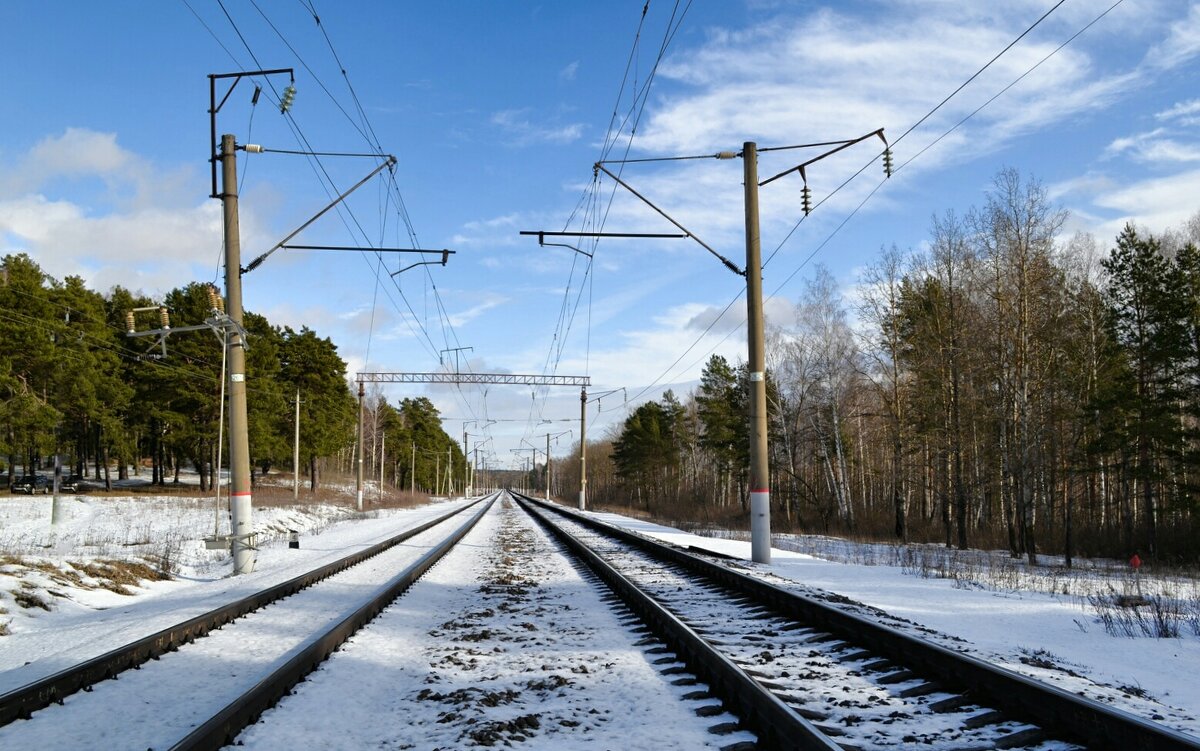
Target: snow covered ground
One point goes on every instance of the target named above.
(57, 609)
(1054, 637)
(1038, 631)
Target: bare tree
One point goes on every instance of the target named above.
(835, 357)
(1015, 230)
(879, 310)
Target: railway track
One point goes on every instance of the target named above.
(752, 665)
(803, 674)
(256, 649)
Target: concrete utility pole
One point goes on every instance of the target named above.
(547, 468)
(583, 448)
(760, 493)
(296, 452)
(55, 511)
(466, 464)
(382, 454)
(361, 445)
(412, 474)
(240, 497)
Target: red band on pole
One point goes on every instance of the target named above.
(240, 494)
(760, 490)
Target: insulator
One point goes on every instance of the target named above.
(806, 200)
(164, 317)
(129, 322)
(289, 96)
(887, 161)
(215, 301)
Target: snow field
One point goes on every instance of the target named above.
(163, 700)
(83, 623)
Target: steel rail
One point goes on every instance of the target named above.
(224, 727)
(1059, 712)
(777, 725)
(20, 702)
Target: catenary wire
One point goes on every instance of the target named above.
(874, 190)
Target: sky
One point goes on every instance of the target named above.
(496, 113)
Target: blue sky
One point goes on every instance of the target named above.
(496, 112)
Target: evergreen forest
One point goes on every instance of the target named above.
(73, 384)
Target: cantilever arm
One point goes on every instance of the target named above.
(728, 263)
(390, 161)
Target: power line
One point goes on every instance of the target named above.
(590, 200)
(327, 182)
(986, 65)
(874, 190)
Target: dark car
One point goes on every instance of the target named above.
(31, 484)
(70, 483)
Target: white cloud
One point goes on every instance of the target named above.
(754, 84)
(1159, 203)
(79, 151)
(1181, 44)
(1180, 110)
(134, 228)
(568, 73)
(141, 249)
(1154, 146)
(521, 130)
(488, 302)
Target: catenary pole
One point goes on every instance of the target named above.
(547, 468)
(760, 493)
(240, 497)
(296, 452)
(466, 464)
(361, 445)
(583, 448)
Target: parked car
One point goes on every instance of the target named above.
(70, 483)
(30, 484)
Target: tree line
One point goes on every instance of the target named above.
(73, 384)
(999, 388)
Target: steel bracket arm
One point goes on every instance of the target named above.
(728, 263)
(389, 162)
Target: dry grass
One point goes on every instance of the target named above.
(27, 598)
(114, 575)
(118, 575)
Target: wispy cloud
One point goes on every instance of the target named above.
(754, 84)
(568, 73)
(488, 302)
(1181, 44)
(1185, 114)
(1154, 146)
(1159, 203)
(521, 130)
